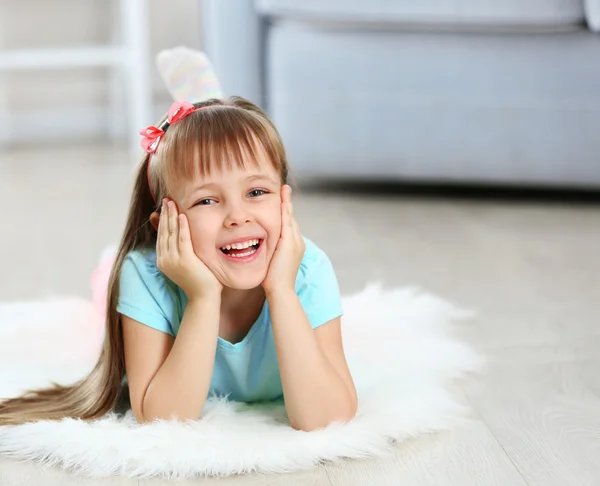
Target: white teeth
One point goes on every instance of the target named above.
(246, 253)
(241, 245)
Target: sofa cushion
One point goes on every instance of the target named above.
(512, 108)
(458, 12)
(592, 14)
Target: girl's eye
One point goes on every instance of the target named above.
(205, 202)
(257, 192)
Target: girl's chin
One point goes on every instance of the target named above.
(244, 282)
(245, 276)
(242, 286)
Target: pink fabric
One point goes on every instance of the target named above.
(99, 285)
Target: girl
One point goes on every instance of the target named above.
(214, 290)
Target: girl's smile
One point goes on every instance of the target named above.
(243, 250)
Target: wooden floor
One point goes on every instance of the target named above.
(530, 268)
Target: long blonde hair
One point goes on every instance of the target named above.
(206, 139)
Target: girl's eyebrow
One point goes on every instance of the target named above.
(215, 186)
(262, 177)
(208, 185)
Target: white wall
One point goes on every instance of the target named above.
(49, 105)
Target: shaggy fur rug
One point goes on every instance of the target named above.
(400, 348)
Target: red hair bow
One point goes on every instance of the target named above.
(151, 135)
(150, 138)
(179, 110)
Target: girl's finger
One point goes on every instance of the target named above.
(173, 227)
(295, 227)
(285, 219)
(290, 214)
(185, 240)
(296, 230)
(161, 239)
(288, 193)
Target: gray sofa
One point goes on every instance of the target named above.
(493, 91)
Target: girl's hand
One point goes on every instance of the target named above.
(175, 255)
(285, 263)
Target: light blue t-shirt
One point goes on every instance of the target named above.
(246, 371)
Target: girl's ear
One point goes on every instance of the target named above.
(154, 219)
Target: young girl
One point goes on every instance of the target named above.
(214, 290)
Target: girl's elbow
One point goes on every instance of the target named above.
(173, 417)
(346, 414)
(342, 416)
(149, 416)
(349, 413)
(305, 427)
(137, 413)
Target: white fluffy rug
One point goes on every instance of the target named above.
(400, 349)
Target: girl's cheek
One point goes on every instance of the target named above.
(196, 238)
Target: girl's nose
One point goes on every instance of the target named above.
(237, 216)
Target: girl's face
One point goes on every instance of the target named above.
(235, 221)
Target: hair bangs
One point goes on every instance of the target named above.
(217, 139)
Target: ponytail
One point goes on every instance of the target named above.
(100, 391)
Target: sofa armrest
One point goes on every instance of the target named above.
(592, 14)
(233, 41)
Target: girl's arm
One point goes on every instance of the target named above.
(317, 385)
(170, 378)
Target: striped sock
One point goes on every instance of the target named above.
(188, 74)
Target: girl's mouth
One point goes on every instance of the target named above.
(243, 251)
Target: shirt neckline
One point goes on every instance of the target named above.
(260, 320)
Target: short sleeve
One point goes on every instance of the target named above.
(317, 286)
(143, 293)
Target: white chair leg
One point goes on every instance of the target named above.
(134, 23)
(5, 125)
(116, 94)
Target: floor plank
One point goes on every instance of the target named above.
(467, 456)
(18, 473)
(545, 416)
(316, 477)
